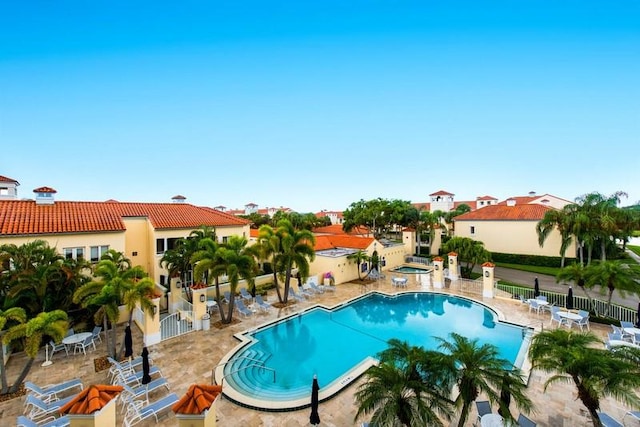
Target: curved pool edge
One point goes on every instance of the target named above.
(341, 382)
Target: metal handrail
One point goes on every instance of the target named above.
(246, 367)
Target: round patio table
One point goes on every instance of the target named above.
(76, 338)
(491, 420)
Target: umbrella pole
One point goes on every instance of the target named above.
(46, 362)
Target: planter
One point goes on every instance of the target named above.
(327, 282)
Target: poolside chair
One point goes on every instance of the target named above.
(57, 347)
(523, 421)
(227, 297)
(625, 335)
(632, 414)
(138, 412)
(608, 421)
(296, 297)
(541, 297)
(308, 289)
(52, 391)
(136, 377)
(263, 305)
(242, 309)
(555, 317)
(533, 305)
(483, 407)
(130, 394)
(125, 368)
(316, 288)
(246, 295)
(37, 408)
(96, 334)
(584, 320)
(303, 295)
(70, 332)
(88, 342)
(50, 421)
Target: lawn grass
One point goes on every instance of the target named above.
(634, 249)
(551, 271)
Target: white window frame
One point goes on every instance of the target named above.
(101, 250)
(74, 253)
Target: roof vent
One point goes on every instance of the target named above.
(44, 195)
(511, 202)
(178, 199)
(532, 194)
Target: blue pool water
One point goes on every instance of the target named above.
(411, 270)
(330, 343)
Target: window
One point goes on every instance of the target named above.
(171, 242)
(225, 239)
(73, 253)
(96, 252)
(160, 246)
(473, 230)
(4, 191)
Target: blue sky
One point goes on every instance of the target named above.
(316, 104)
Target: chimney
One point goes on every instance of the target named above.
(511, 202)
(178, 199)
(532, 194)
(44, 195)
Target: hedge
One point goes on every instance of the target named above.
(541, 261)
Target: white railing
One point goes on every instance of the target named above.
(467, 285)
(139, 318)
(599, 307)
(417, 260)
(176, 324)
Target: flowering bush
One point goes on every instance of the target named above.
(329, 276)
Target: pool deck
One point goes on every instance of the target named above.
(191, 359)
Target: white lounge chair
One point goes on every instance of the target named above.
(523, 421)
(52, 391)
(135, 378)
(263, 305)
(125, 368)
(130, 394)
(138, 412)
(242, 309)
(50, 421)
(608, 421)
(246, 295)
(296, 297)
(37, 408)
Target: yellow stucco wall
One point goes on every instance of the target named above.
(517, 237)
(138, 239)
(114, 240)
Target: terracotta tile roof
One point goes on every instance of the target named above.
(6, 179)
(442, 193)
(488, 264)
(322, 214)
(337, 229)
(197, 399)
(45, 190)
(424, 206)
(501, 212)
(24, 217)
(91, 399)
(342, 241)
(520, 200)
(486, 198)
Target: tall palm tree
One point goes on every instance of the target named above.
(612, 276)
(238, 262)
(15, 314)
(480, 369)
(555, 220)
(105, 300)
(139, 293)
(596, 372)
(53, 324)
(359, 257)
(576, 273)
(410, 386)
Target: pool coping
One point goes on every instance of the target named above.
(341, 382)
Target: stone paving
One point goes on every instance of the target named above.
(191, 358)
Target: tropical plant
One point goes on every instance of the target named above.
(52, 324)
(480, 369)
(14, 314)
(555, 220)
(576, 273)
(359, 257)
(470, 251)
(596, 372)
(611, 276)
(410, 387)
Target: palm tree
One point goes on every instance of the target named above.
(238, 262)
(105, 300)
(555, 220)
(139, 293)
(576, 273)
(16, 314)
(359, 257)
(53, 324)
(470, 251)
(481, 370)
(596, 372)
(409, 387)
(614, 275)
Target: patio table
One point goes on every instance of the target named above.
(572, 317)
(74, 339)
(399, 281)
(491, 420)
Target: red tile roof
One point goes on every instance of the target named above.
(197, 399)
(501, 212)
(91, 399)
(337, 229)
(24, 217)
(425, 206)
(6, 179)
(486, 198)
(45, 190)
(520, 200)
(442, 193)
(342, 241)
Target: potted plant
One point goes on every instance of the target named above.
(329, 280)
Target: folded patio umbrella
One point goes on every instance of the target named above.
(638, 316)
(146, 378)
(536, 288)
(314, 419)
(128, 342)
(569, 304)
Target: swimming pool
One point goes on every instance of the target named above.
(411, 270)
(273, 367)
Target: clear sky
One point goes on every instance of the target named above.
(316, 104)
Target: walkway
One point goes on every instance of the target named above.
(190, 358)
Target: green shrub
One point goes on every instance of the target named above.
(542, 261)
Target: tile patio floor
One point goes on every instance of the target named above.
(190, 359)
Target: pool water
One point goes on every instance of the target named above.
(331, 343)
(411, 270)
